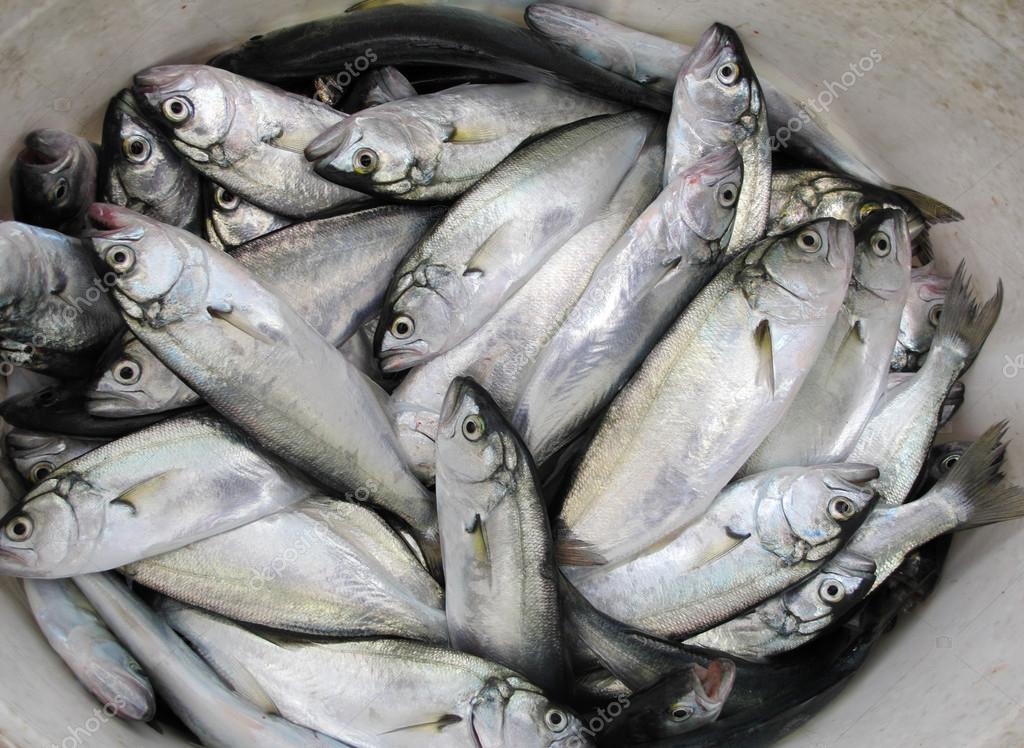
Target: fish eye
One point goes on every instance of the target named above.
(556, 720)
(365, 161)
(120, 258)
(19, 528)
(473, 427)
(840, 508)
(728, 193)
(59, 191)
(40, 471)
(46, 397)
(402, 327)
(935, 314)
(880, 244)
(177, 109)
(868, 208)
(680, 712)
(225, 200)
(831, 591)
(729, 73)
(126, 371)
(136, 149)
(949, 461)
(809, 240)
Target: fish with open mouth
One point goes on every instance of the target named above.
(920, 318)
(53, 181)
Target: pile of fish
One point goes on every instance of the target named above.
(415, 378)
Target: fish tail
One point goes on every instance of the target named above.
(933, 210)
(976, 483)
(964, 327)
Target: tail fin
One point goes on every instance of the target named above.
(976, 481)
(964, 327)
(932, 210)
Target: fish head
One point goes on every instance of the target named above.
(815, 603)
(943, 457)
(35, 455)
(414, 327)
(55, 177)
(143, 169)
(38, 534)
(881, 262)
(192, 102)
(680, 703)
(23, 252)
(921, 315)
(117, 678)
(710, 192)
(719, 81)
(131, 381)
(798, 275)
(510, 711)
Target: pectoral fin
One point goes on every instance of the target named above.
(226, 313)
(445, 720)
(572, 552)
(491, 252)
(466, 134)
(137, 496)
(765, 356)
(478, 534)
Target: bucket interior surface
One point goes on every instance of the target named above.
(940, 111)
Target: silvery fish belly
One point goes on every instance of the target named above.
(761, 535)
(243, 349)
(161, 488)
(395, 693)
(706, 396)
(501, 232)
(326, 567)
(244, 135)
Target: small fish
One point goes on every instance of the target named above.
(66, 410)
(231, 221)
(53, 181)
(36, 455)
(920, 318)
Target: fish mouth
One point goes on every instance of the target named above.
(452, 400)
(161, 79)
(327, 144)
(714, 683)
(108, 221)
(107, 403)
(716, 38)
(46, 148)
(19, 558)
(400, 359)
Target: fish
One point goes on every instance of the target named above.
(378, 86)
(494, 528)
(243, 349)
(231, 221)
(717, 104)
(435, 696)
(181, 480)
(500, 232)
(218, 715)
(740, 351)
(35, 455)
(655, 62)
(244, 135)
(64, 410)
(950, 406)
(920, 318)
(98, 660)
(424, 35)
(902, 427)
(760, 536)
(941, 459)
(435, 147)
(323, 568)
(141, 170)
(500, 355)
(53, 181)
(641, 285)
(56, 315)
(797, 616)
(848, 377)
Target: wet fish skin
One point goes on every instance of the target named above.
(950, 406)
(325, 568)
(494, 528)
(378, 86)
(53, 181)
(436, 146)
(920, 318)
(156, 490)
(63, 410)
(436, 696)
(141, 170)
(244, 135)
(500, 232)
(232, 221)
(56, 313)
(739, 352)
(35, 455)
(91, 651)
(215, 713)
(242, 348)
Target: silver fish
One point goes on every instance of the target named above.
(500, 232)
(231, 221)
(56, 316)
(434, 696)
(36, 455)
(920, 318)
(243, 349)
(902, 427)
(141, 170)
(760, 536)
(717, 104)
(642, 284)
(706, 396)
(245, 135)
(53, 181)
(100, 662)
(950, 406)
(217, 714)
(837, 397)
(158, 489)
(437, 146)
(494, 528)
(326, 567)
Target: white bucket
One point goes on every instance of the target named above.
(941, 111)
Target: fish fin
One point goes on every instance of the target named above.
(135, 496)
(922, 248)
(226, 313)
(476, 530)
(976, 483)
(491, 252)
(572, 552)
(765, 355)
(60, 282)
(278, 137)
(469, 135)
(932, 210)
(963, 326)
(445, 720)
